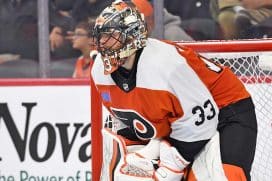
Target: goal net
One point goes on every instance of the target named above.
(251, 61)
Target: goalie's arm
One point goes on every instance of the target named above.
(188, 149)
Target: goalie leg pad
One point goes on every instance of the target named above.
(114, 150)
(208, 164)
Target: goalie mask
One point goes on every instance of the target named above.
(120, 31)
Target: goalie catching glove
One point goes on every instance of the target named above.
(136, 163)
(116, 160)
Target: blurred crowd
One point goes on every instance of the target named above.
(70, 38)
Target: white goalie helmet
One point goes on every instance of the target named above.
(123, 23)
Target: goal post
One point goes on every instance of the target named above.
(251, 61)
(96, 136)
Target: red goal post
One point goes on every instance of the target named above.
(252, 45)
(251, 61)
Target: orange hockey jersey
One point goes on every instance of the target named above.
(222, 83)
(170, 98)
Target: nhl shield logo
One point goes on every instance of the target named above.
(125, 87)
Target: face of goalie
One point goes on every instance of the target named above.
(110, 41)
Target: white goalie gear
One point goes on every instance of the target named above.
(208, 164)
(115, 166)
(135, 163)
(171, 164)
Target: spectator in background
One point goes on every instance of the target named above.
(255, 21)
(75, 11)
(172, 24)
(237, 17)
(83, 40)
(18, 28)
(195, 18)
(60, 46)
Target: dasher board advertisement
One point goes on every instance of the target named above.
(45, 133)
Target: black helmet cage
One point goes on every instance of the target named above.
(110, 31)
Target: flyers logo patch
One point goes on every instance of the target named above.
(142, 127)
